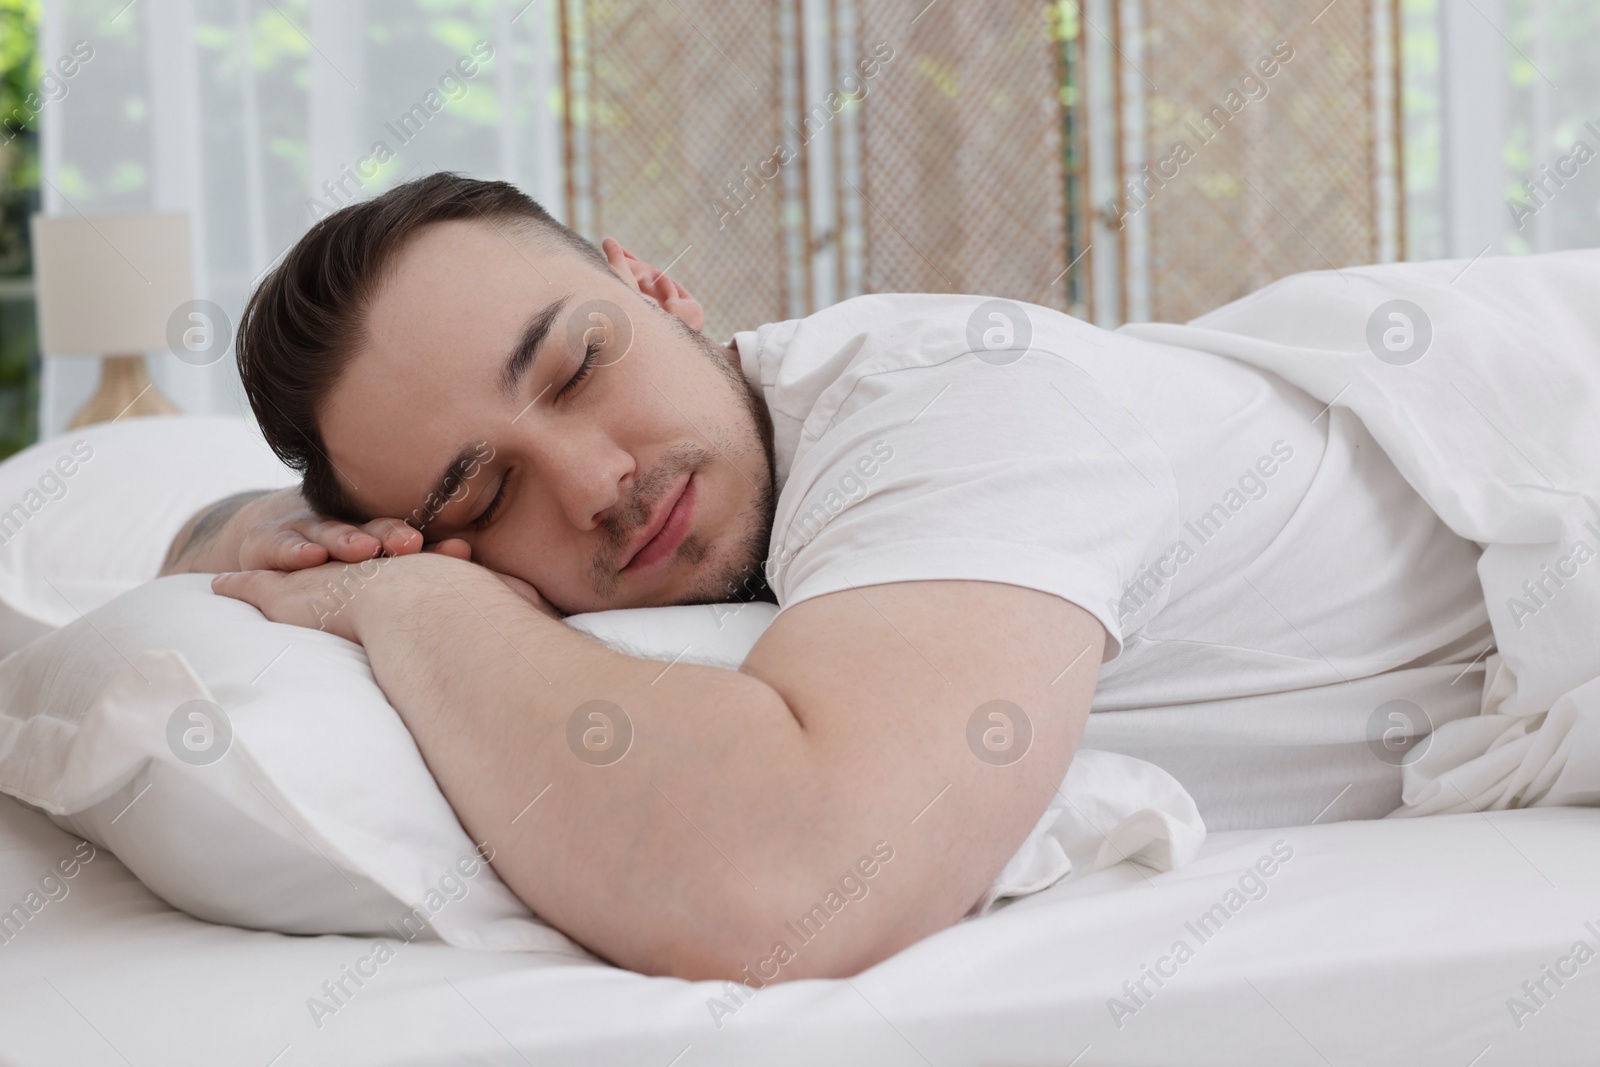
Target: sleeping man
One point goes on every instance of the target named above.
(980, 520)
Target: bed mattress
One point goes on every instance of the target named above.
(1453, 939)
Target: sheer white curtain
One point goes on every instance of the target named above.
(254, 116)
(1500, 95)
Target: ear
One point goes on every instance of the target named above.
(653, 284)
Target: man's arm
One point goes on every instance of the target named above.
(205, 543)
(277, 530)
(862, 725)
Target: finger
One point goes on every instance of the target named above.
(279, 549)
(343, 542)
(452, 546)
(288, 551)
(240, 585)
(397, 537)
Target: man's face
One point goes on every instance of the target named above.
(566, 474)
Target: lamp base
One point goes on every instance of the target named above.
(125, 389)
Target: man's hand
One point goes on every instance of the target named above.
(330, 597)
(263, 530)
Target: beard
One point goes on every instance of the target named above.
(741, 577)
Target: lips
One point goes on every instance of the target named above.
(667, 528)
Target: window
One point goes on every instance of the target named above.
(19, 198)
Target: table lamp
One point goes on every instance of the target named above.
(107, 285)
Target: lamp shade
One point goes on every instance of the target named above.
(109, 283)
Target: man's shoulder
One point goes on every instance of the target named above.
(936, 312)
(910, 326)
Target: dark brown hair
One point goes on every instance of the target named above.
(308, 315)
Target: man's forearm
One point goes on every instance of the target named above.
(206, 544)
(706, 823)
(657, 813)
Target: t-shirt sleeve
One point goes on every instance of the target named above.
(1026, 474)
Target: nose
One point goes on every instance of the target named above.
(589, 474)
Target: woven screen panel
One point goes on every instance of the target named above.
(961, 152)
(684, 99)
(1281, 174)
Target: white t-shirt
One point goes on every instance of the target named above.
(1249, 553)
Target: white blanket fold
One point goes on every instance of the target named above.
(1485, 392)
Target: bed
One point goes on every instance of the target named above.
(1376, 942)
(1467, 937)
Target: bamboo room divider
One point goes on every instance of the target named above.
(783, 154)
(1285, 171)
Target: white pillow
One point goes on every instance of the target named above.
(319, 816)
(87, 516)
(304, 806)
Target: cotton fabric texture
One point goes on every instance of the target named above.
(1266, 577)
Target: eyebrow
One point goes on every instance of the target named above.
(453, 475)
(527, 347)
(516, 368)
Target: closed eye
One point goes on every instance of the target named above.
(587, 365)
(487, 515)
(590, 356)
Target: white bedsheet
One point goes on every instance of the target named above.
(1380, 942)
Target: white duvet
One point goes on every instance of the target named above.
(1481, 380)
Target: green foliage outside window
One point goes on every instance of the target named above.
(19, 198)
